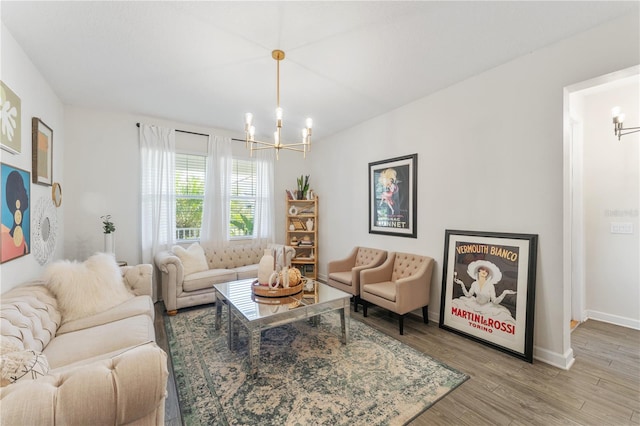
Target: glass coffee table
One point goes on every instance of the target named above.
(257, 313)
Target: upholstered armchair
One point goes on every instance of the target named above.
(401, 284)
(344, 274)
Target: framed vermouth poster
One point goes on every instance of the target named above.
(393, 196)
(488, 289)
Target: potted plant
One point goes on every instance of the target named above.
(303, 187)
(108, 228)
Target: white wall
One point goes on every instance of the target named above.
(611, 191)
(37, 100)
(490, 159)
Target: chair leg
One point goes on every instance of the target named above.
(401, 324)
(364, 307)
(425, 314)
(356, 300)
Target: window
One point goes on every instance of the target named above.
(243, 198)
(190, 175)
(190, 183)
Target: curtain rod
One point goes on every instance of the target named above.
(199, 134)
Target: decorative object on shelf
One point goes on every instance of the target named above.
(393, 196)
(293, 211)
(292, 227)
(493, 276)
(45, 228)
(56, 194)
(10, 120)
(250, 130)
(309, 224)
(41, 152)
(16, 213)
(109, 230)
(310, 195)
(266, 267)
(618, 119)
(303, 187)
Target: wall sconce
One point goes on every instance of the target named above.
(618, 119)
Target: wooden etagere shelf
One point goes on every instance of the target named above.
(302, 233)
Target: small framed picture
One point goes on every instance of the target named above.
(488, 289)
(42, 153)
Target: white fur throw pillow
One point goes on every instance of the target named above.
(85, 289)
(193, 259)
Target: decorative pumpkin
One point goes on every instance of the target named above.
(294, 276)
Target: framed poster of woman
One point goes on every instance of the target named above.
(488, 289)
(393, 196)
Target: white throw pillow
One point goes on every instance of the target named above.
(193, 259)
(85, 289)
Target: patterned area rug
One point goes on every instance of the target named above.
(306, 375)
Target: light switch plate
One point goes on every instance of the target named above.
(621, 228)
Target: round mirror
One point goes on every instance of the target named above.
(45, 228)
(56, 194)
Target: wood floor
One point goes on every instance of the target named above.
(602, 387)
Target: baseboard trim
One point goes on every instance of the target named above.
(614, 319)
(562, 361)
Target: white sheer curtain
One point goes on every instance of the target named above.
(215, 212)
(264, 220)
(157, 190)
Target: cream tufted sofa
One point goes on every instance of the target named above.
(105, 369)
(226, 264)
(401, 284)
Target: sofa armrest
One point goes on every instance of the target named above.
(171, 278)
(139, 279)
(128, 388)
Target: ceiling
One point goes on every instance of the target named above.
(207, 63)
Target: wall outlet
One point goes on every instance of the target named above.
(621, 228)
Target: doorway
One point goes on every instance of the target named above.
(590, 221)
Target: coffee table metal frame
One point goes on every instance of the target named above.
(260, 313)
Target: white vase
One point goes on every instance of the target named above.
(265, 267)
(309, 224)
(110, 243)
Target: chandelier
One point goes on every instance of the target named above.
(251, 143)
(618, 119)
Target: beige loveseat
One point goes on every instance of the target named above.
(105, 369)
(181, 289)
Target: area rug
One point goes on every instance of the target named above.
(307, 376)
